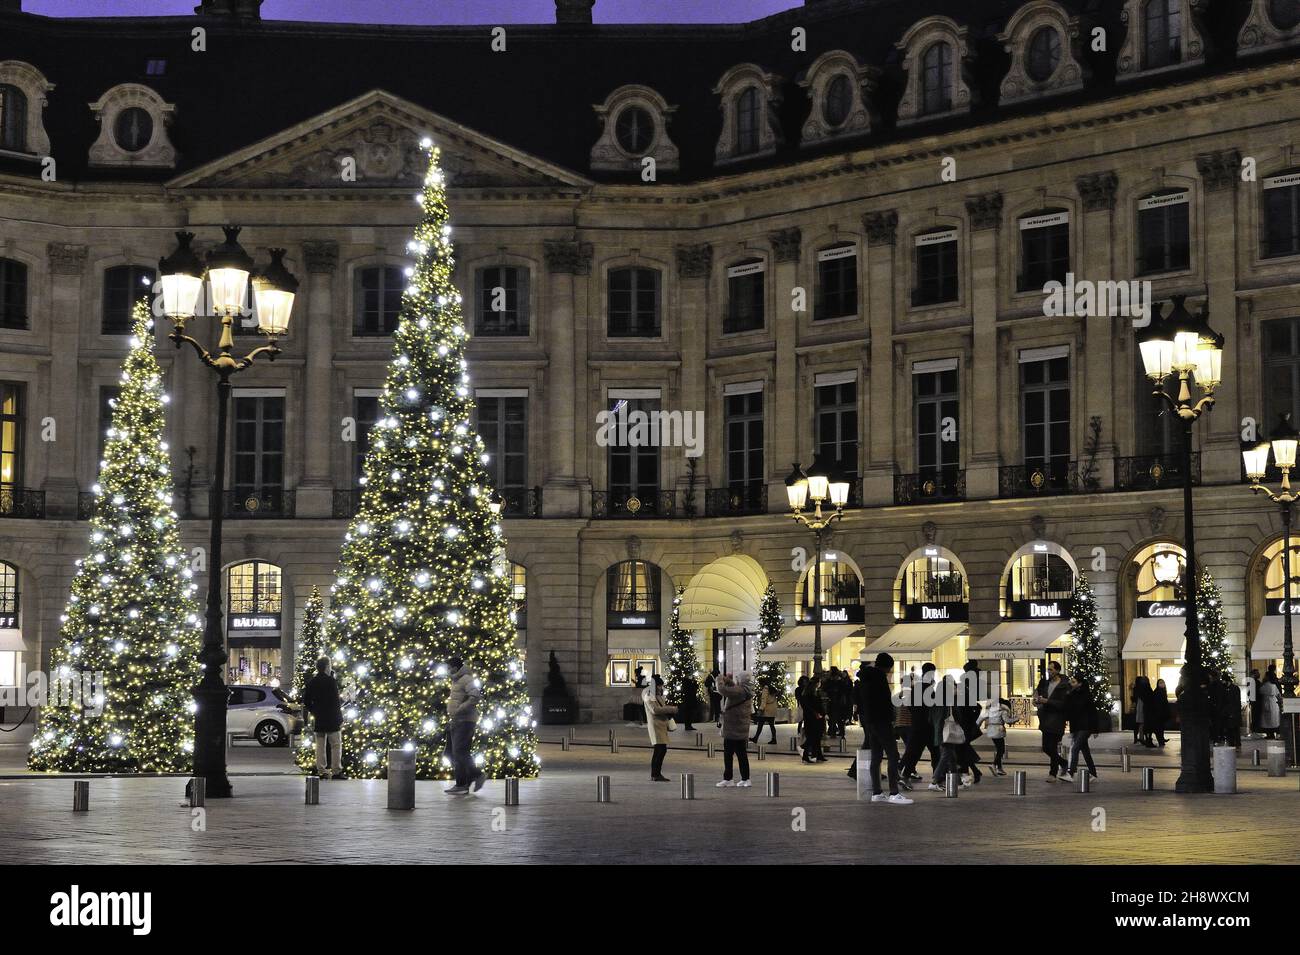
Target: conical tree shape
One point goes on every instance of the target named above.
(311, 647)
(1215, 653)
(420, 580)
(1087, 655)
(770, 626)
(683, 661)
(131, 617)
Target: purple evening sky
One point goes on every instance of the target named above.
(436, 11)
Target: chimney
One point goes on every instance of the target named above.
(574, 11)
(241, 9)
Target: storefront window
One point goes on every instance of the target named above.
(634, 587)
(1037, 577)
(253, 624)
(9, 633)
(934, 579)
(1153, 619)
(1270, 604)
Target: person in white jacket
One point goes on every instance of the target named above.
(658, 714)
(994, 719)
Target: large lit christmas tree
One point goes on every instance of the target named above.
(418, 583)
(130, 620)
(1087, 655)
(770, 626)
(1215, 654)
(311, 647)
(683, 661)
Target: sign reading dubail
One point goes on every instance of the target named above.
(1157, 631)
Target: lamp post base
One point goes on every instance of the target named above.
(1194, 719)
(210, 739)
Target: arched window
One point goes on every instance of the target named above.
(13, 294)
(633, 587)
(253, 625)
(8, 597)
(634, 296)
(933, 579)
(936, 78)
(13, 119)
(1285, 14)
(376, 300)
(840, 586)
(839, 100)
(634, 129)
(133, 130)
(124, 285)
(1044, 54)
(747, 119)
(1163, 33)
(1039, 576)
(254, 588)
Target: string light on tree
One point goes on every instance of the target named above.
(1215, 655)
(683, 661)
(1087, 655)
(770, 626)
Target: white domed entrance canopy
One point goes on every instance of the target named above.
(727, 594)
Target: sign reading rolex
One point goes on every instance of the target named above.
(950, 612)
(835, 613)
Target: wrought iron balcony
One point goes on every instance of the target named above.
(732, 501)
(943, 484)
(85, 505)
(627, 504)
(521, 502)
(21, 502)
(1150, 472)
(1038, 480)
(346, 502)
(238, 505)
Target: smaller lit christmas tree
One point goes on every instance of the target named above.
(683, 661)
(1087, 656)
(311, 647)
(770, 625)
(1215, 654)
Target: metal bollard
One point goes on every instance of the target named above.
(512, 791)
(401, 779)
(773, 784)
(602, 789)
(1257, 757)
(566, 744)
(1125, 760)
(762, 752)
(1277, 759)
(1019, 779)
(699, 739)
(711, 752)
(864, 779)
(843, 745)
(311, 795)
(1148, 779)
(794, 744)
(198, 791)
(688, 785)
(1085, 781)
(952, 785)
(613, 742)
(573, 732)
(1224, 767)
(81, 795)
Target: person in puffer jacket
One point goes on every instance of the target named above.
(737, 712)
(462, 717)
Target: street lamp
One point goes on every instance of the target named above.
(1184, 345)
(823, 485)
(1283, 442)
(227, 273)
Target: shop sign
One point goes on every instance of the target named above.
(254, 621)
(1039, 610)
(1148, 609)
(1273, 607)
(835, 613)
(8, 621)
(632, 621)
(937, 613)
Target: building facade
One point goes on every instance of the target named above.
(826, 233)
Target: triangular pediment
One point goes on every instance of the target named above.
(376, 139)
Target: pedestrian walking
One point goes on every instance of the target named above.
(995, 717)
(1140, 693)
(1049, 697)
(715, 698)
(737, 705)
(658, 721)
(814, 720)
(968, 714)
(798, 704)
(1157, 713)
(1082, 717)
(1270, 705)
(1253, 697)
(947, 735)
(462, 713)
(320, 698)
(920, 736)
(877, 714)
(765, 707)
(690, 703)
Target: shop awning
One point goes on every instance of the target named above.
(913, 639)
(727, 594)
(631, 643)
(1018, 639)
(797, 644)
(1267, 645)
(1155, 638)
(11, 640)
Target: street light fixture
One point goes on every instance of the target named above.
(1184, 345)
(227, 274)
(825, 486)
(1283, 442)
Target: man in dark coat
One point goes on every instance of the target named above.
(877, 710)
(919, 737)
(715, 698)
(320, 698)
(968, 718)
(690, 700)
(1049, 697)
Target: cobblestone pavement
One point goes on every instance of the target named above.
(815, 819)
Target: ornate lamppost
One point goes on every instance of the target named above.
(1183, 345)
(1282, 442)
(226, 275)
(822, 485)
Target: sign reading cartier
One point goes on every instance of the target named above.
(1159, 608)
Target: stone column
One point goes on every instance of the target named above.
(982, 388)
(1095, 371)
(694, 268)
(565, 395)
(67, 268)
(319, 427)
(881, 464)
(788, 422)
(1219, 433)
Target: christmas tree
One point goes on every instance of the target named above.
(1215, 654)
(773, 672)
(311, 647)
(128, 647)
(418, 581)
(1087, 656)
(682, 659)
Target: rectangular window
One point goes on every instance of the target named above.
(124, 285)
(936, 268)
(1045, 414)
(837, 425)
(634, 468)
(13, 294)
(837, 283)
(108, 395)
(744, 424)
(744, 298)
(1281, 371)
(258, 454)
(935, 416)
(503, 425)
(501, 292)
(1163, 233)
(1281, 216)
(365, 412)
(1044, 250)
(377, 300)
(11, 433)
(634, 303)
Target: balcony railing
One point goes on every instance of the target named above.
(520, 502)
(1150, 472)
(347, 501)
(626, 504)
(731, 501)
(85, 505)
(947, 484)
(238, 505)
(1038, 480)
(21, 502)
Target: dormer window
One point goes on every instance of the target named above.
(935, 58)
(1160, 35)
(634, 128)
(133, 129)
(22, 104)
(1044, 54)
(13, 119)
(747, 117)
(1269, 25)
(936, 79)
(840, 89)
(749, 99)
(1163, 34)
(133, 122)
(1043, 40)
(839, 100)
(1284, 14)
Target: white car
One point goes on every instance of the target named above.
(262, 712)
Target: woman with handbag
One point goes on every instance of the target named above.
(948, 736)
(658, 721)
